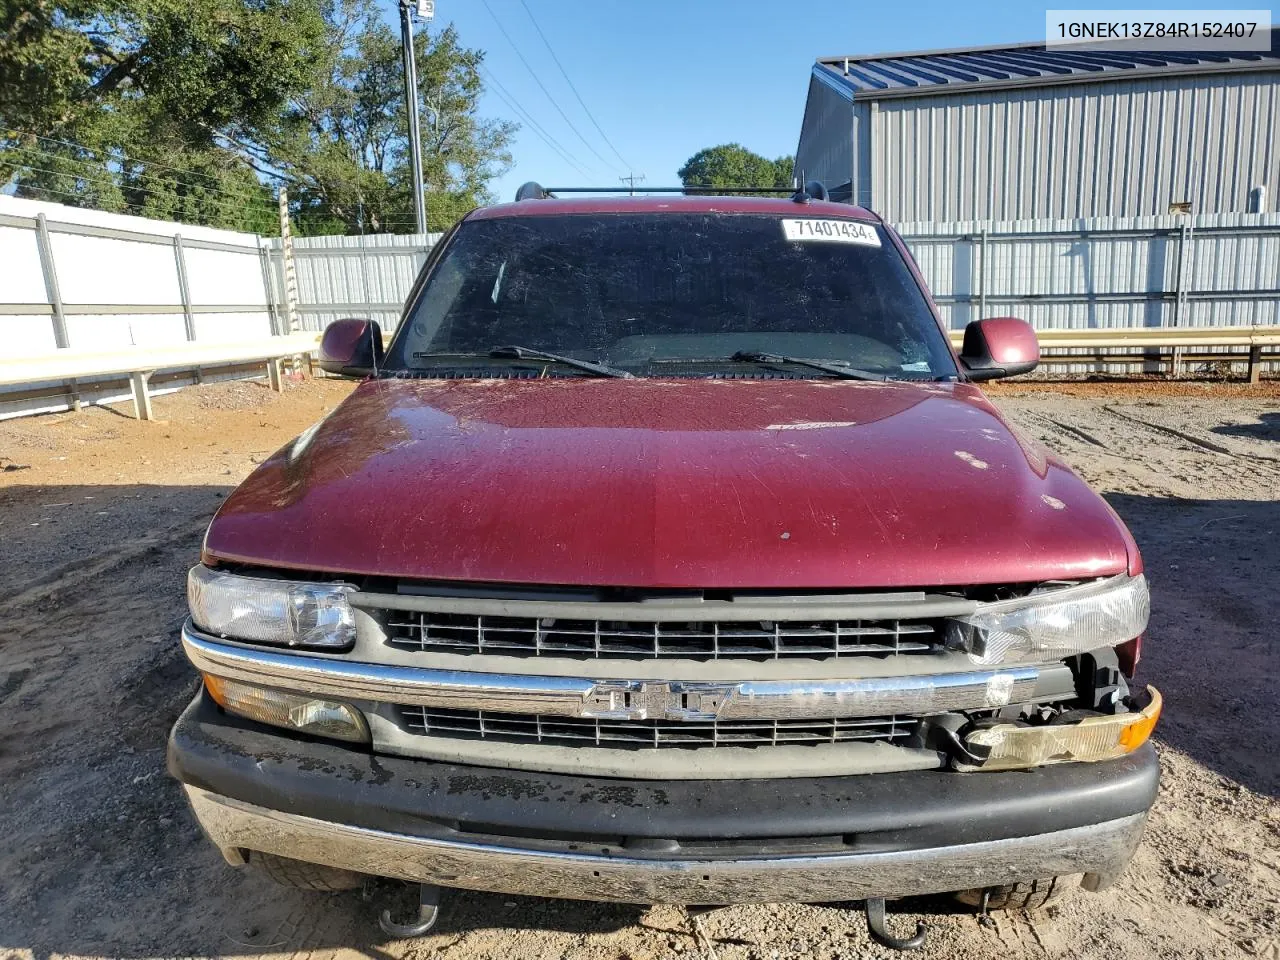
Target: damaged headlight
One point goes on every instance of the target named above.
(262, 610)
(1012, 746)
(1055, 624)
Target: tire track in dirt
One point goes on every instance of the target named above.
(86, 568)
(1209, 445)
(1136, 455)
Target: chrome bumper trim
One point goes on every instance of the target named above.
(337, 677)
(1100, 851)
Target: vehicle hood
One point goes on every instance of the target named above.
(764, 483)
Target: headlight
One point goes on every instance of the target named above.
(260, 610)
(1057, 624)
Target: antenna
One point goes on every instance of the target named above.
(631, 181)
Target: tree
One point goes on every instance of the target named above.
(733, 165)
(195, 110)
(343, 143)
(121, 104)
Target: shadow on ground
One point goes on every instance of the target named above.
(1212, 647)
(1267, 428)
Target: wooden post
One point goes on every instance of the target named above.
(273, 374)
(287, 266)
(290, 273)
(141, 397)
(1255, 364)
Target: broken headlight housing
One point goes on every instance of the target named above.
(261, 610)
(1054, 624)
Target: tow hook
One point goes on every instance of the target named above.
(876, 927)
(428, 911)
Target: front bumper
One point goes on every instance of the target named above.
(880, 835)
(1101, 850)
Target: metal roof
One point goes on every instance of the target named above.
(932, 72)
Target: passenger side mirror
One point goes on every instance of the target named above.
(999, 347)
(351, 347)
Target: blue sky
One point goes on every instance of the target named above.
(665, 78)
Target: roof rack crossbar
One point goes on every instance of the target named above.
(812, 190)
(692, 188)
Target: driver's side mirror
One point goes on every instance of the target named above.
(351, 347)
(999, 347)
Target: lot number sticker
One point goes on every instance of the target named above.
(831, 231)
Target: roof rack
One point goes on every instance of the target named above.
(813, 190)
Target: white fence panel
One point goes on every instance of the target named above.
(87, 282)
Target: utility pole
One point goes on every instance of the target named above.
(632, 180)
(411, 108)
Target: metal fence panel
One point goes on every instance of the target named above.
(86, 280)
(367, 276)
(1213, 270)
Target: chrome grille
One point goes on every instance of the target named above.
(637, 734)
(531, 636)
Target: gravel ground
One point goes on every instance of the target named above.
(100, 516)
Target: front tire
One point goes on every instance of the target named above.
(307, 876)
(1031, 895)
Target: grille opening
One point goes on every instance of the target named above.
(650, 734)
(709, 640)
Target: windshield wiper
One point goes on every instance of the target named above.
(527, 353)
(835, 369)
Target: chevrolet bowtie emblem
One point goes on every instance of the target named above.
(657, 700)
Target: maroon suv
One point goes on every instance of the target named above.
(669, 553)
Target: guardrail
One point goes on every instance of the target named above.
(1174, 346)
(139, 364)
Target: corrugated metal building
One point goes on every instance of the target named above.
(1022, 132)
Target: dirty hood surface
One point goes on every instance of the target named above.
(671, 483)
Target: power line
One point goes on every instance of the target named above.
(124, 157)
(509, 98)
(249, 224)
(581, 102)
(541, 85)
(234, 215)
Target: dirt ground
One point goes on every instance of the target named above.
(100, 516)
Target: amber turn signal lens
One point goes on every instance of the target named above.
(293, 711)
(1011, 747)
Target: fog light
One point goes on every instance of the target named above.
(293, 711)
(1093, 738)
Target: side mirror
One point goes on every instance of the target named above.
(351, 347)
(999, 347)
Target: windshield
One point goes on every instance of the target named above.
(669, 294)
